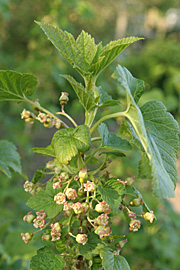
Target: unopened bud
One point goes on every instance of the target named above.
(83, 175)
(129, 181)
(82, 239)
(136, 202)
(149, 216)
(64, 98)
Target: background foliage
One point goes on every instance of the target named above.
(156, 61)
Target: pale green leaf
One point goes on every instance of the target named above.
(111, 140)
(158, 133)
(46, 151)
(110, 52)
(9, 158)
(79, 53)
(85, 97)
(14, 85)
(46, 260)
(44, 200)
(112, 193)
(68, 142)
(114, 262)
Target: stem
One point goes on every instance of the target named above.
(68, 116)
(44, 110)
(109, 116)
(96, 139)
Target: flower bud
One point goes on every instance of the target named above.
(89, 186)
(48, 123)
(38, 222)
(56, 227)
(58, 124)
(83, 175)
(80, 192)
(136, 202)
(78, 208)
(102, 219)
(57, 185)
(149, 216)
(46, 237)
(26, 237)
(41, 117)
(134, 225)
(41, 214)
(85, 207)
(82, 239)
(29, 217)
(71, 194)
(28, 186)
(129, 181)
(103, 207)
(63, 98)
(64, 176)
(60, 198)
(55, 236)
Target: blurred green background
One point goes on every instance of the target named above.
(156, 60)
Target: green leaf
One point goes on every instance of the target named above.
(125, 78)
(113, 153)
(105, 99)
(108, 53)
(158, 133)
(14, 85)
(79, 53)
(114, 262)
(85, 97)
(111, 140)
(46, 260)
(45, 200)
(39, 175)
(9, 158)
(47, 151)
(68, 142)
(144, 169)
(112, 193)
(91, 246)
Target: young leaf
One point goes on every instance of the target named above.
(85, 97)
(45, 200)
(14, 85)
(39, 175)
(111, 261)
(68, 142)
(46, 259)
(79, 53)
(105, 99)
(111, 140)
(47, 151)
(9, 158)
(112, 193)
(158, 132)
(110, 52)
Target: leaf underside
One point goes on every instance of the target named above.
(158, 133)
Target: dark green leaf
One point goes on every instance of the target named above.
(68, 142)
(39, 175)
(47, 151)
(85, 97)
(112, 193)
(46, 260)
(114, 153)
(111, 140)
(14, 85)
(158, 133)
(105, 99)
(45, 200)
(9, 158)
(114, 262)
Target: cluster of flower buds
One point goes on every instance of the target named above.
(49, 121)
(28, 116)
(134, 224)
(32, 188)
(57, 181)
